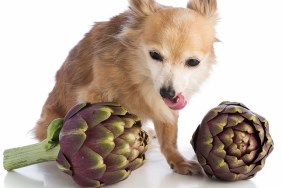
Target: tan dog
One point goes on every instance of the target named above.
(150, 59)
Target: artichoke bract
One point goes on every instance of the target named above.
(97, 144)
(232, 142)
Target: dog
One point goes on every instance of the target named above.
(151, 59)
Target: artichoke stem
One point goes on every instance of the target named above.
(28, 155)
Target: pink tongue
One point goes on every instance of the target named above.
(177, 103)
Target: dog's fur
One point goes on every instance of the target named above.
(112, 63)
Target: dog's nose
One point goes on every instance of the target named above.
(167, 92)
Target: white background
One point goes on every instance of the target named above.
(36, 35)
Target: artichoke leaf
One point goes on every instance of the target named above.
(212, 114)
(100, 115)
(133, 165)
(115, 124)
(103, 148)
(119, 110)
(121, 147)
(71, 144)
(86, 182)
(234, 162)
(245, 169)
(99, 134)
(232, 109)
(233, 120)
(226, 137)
(116, 162)
(217, 124)
(249, 157)
(87, 159)
(74, 110)
(114, 177)
(63, 164)
(218, 148)
(244, 127)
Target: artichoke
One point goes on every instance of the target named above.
(101, 144)
(232, 142)
(97, 144)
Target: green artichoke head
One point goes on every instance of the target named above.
(232, 142)
(101, 144)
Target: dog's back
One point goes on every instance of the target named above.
(77, 70)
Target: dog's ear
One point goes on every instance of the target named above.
(204, 7)
(143, 8)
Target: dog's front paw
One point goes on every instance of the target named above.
(187, 168)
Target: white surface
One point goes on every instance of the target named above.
(35, 37)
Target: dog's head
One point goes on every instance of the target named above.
(174, 44)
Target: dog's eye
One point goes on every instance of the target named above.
(192, 62)
(156, 56)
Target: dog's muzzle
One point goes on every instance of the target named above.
(174, 102)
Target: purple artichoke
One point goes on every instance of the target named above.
(97, 144)
(101, 144)
(232, 142)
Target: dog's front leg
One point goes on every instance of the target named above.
(167, 137)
